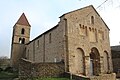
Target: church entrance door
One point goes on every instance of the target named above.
(94, 62)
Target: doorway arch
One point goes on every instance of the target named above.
(94, 61)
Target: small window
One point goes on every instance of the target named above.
(92, 19)
(20, 40)
(23, 41)
(38, 43)
(23, 31)
(50, 38)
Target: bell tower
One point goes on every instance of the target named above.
(21, 36)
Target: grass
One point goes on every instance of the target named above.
(7, 75)
(10, 76)
(52, 79)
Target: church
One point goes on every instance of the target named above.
(80, 40)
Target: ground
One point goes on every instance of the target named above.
(7, 75)
(10, 76)
(52, 79)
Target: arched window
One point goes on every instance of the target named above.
(23, 41)
(23, 31)
(50, 38)
(38, 43)
(92, 19)
(20, 40)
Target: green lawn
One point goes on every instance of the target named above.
(52, 79)
(10, 76)
(5, 75)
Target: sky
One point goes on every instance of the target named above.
(44, 14)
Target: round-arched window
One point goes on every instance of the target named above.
(23, 31)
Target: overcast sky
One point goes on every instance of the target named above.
(44, 14)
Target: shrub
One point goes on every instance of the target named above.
(9, 69)
(1, 69)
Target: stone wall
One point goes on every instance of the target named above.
(17, 53)
(28, 69)
(116, 59)
(47, 47)
(83, 37)
(116, 66)
(17, 49)
(17, 33)
(111, 76)
(75, 77)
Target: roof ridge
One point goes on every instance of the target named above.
(77, 10)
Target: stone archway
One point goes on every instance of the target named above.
(80, 61)
(94, 61)
(106, 61)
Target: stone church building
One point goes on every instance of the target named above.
(80, 40)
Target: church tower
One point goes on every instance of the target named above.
(21, 36)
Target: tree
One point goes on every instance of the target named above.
(4, 61)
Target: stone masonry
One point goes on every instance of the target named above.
(28, 69)
(80, 40)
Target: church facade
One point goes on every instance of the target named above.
(80, 40)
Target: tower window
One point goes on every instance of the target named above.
(92, 19)
(23, 41)
(20, 40)
(23, 31)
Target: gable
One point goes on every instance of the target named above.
(85, 14)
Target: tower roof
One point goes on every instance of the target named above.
(23, 20)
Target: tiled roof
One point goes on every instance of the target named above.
(23, 20)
